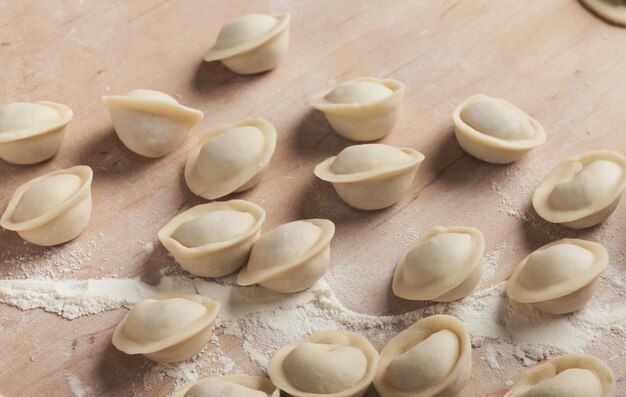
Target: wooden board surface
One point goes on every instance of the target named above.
(551, 58)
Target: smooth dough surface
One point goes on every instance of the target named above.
(46, 196)
(324, 368)
(284, 244)
(612, 10)
(426, 363)
(495, 119)
(18, 116)
(153, 320)
(574, 382)
(555, 264)
(362, 158)
(214, 227)
(216, 387)
(358, 92)
(244, 29)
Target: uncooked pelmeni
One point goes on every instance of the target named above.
(51, 209)
(215, 239)
(230, 386)
(371, 176)
(433, 357)
(443, 265)
(494, 130)
(363, 109)
(32, 132)
(290, 258)
(566, 376)
(230, 158)
(559, 277)
(167, 328)
(252, 43)
(325, 364)
(612, 10)
(582, 191)
(150, 123)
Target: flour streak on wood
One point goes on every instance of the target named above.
(552, 59)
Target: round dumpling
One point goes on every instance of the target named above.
(359, 92)
(214, 227)
(43, 197)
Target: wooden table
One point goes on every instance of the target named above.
(551, 58)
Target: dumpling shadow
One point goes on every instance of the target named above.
(210, 76)
(313, 137)
(116, 372)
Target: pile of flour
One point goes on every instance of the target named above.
(264, 321)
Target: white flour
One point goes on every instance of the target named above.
(263, 321)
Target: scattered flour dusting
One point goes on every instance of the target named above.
(76, 387)
(261, 321)
(148, 248)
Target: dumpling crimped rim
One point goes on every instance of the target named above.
(520, 293)
(65, 116)
(455, 279)
(222, 53)
(277, 374)
(260, 383)
(324, 172)
(232, 184)
(122, 343)
(567, 168)
(248, 277)
(539, 136)
(165, 234)
(409, 338)
(319, 102)
(553, 367)
(157, 106)
(85, 174)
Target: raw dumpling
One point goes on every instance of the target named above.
(150, 123)
(582, 191)
(494, 130)
(167, 328)
(325, 364)
(559, 277)
(290, 258)
(230, 386)
(252, 43)
(613, 11)
(51, 209)
(230, 158)
(363, 109)
(433, 357)
(371, 176)
(32, 132)
(215, 239)
(443, 265)
(566, 376)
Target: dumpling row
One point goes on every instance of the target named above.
(216, 239)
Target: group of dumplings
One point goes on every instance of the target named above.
(430, 358)
(433, 357)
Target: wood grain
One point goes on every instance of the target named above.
(551, 58)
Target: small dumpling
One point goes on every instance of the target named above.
(290, 258)
(230, 386)
(215, 239)
(443, 265)
(326, 363)
(252, 43)
(230, 158)
(582, 191)
(371, 176)
(566, 376)
(167, 328)
(32, 132)
(362, 109)
(433, 357)
(559, 277)
(613, 11)
(150, 123)
(494, 130)
(51, 209)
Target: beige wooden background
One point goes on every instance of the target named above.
(551, 58)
